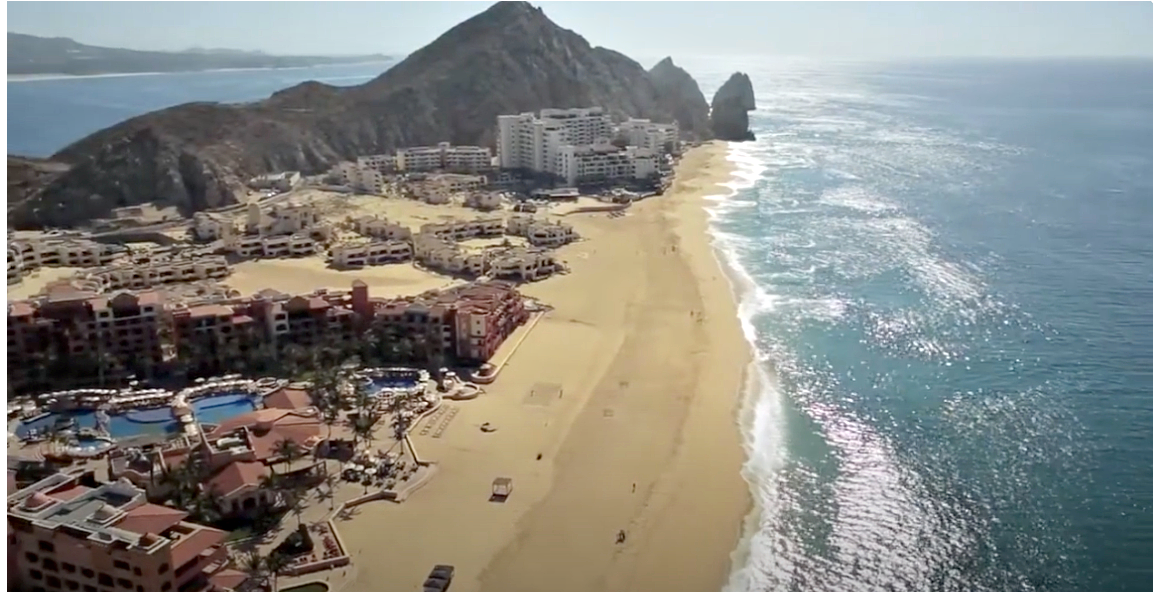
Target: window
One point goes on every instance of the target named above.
(88, 588)
(35, 573)
(136, 571)
(124, 583)
(140, 588)
(71, 585)
(47, 546)
(32, 557)
(69, 567)
(87, 573)
(104, 579)
(120, 565)
(50, 564)
(163, 568)
(53, 582)
(166, 587)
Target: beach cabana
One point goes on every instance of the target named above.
(502, 487)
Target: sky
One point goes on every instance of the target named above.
(843, 30)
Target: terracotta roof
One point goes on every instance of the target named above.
(144, 298)
(236, 476)
(210, 310)
(228, 579)
(150, 518)
(192, 545)
(20, 309)
(68, 494)
(270, 426)
(288, 399)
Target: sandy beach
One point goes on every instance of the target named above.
(615, 411)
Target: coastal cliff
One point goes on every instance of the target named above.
(508, 59)
(729, 120)
(679, 92)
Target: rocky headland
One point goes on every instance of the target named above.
(510, 58)
(729, 120)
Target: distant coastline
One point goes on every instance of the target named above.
(28, 78)
(33, 56)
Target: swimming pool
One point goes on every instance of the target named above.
(154, 421)
(377, 385)
(90, 446)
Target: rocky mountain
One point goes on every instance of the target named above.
(729, 120)
(508, 59)
(27, 176)
(680, 93)
(29, 54)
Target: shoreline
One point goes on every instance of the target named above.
(618, 412)
(32, 78)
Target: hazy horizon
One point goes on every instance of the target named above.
(834, 30)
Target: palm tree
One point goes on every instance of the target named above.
(270, 483)
(275, 562)
(289, 450)
(362, 425)
(297, 494)
(253, 564)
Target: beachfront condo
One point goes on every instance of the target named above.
(71, 533)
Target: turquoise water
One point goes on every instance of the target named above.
(156, 421)
(946, 271)
(376, 385)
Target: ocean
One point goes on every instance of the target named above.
(945, 269)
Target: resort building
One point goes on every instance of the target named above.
(444, 157)
(282, 182)
(34, 254)
(139, 276)
(284, 245)
(240, 451)
(483, 201)
(281, 219)
(73, 337)
(540, 232)
(378, 163)
(523, 264)
(604, 163)
(377, 252)
(529, 142)
(472, 319)
(84, 336)
(70, 533)
(653, 136)
(440, 252)
(15, 266)
(458, 230)
(374, 226)
(574, 145)
(213, 226)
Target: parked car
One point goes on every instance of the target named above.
(439, 579)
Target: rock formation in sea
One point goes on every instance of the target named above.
(729, 120)
(508, 59)
(680, 94)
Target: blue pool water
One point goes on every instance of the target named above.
(376, 385)
(156, 421)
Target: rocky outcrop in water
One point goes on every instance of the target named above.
(680, 94)
(508, 59)
(729, 119)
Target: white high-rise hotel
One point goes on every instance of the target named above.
(570, 143)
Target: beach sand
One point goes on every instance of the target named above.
(614, 411)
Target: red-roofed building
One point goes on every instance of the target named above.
(66, 535)
(74, 337)
(288, 399)
(241, 450)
